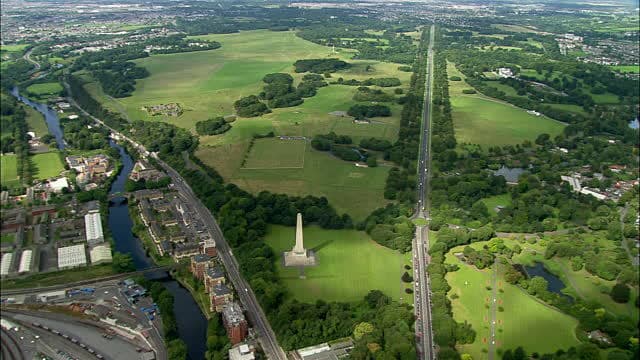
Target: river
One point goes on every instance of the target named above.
(192, 325)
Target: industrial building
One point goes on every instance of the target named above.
(71, 256)
(26, 261)
(241, 352)
(5, 264)
(100, 254)
(93, 228)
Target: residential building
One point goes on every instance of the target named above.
(219, 296)
(234, 322)
(213, 276)
(93, 228)
(209, 247)
(186, 250)
(71, 256)
(199, 263)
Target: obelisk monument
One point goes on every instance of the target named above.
(299, 256)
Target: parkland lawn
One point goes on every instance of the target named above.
(355, 190)
(482, 120)
(350, 264)
(43, 89)
(8, 170)
(523, 322)
(36, 122)
(47, 165)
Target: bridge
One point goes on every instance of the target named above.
(118, 194)
(154, 273)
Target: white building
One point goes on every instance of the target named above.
(573, 181)
(93, 227)
(5, 264)
(100, 254)
(595, 194)
(505, 72)
(71, 256)
(241, 352)
(58, 184)
(25, 261)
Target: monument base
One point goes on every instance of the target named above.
(296, 259)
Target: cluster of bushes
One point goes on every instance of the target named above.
(375, 144)
(250, 106)
(215, 126)
(382, 82)
(373, 95)
(390, 226)
(78, 135)
(320, 66)
(131, 185)
(359, 111)
(309, 85)
(324, 142)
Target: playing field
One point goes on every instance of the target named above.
(355, 190)
(47, 165)
(523, 322)
(35, 121)
(349, 265)
(482, 120)
(9, 172)
(276, 154)
(49, 88)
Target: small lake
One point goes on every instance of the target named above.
(510, 174)
(50, 117)
(555, 284)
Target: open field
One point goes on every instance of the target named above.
(210, 84)
(486, 121)
(8, 238)
(349, 265)
(357, 191)
(497, 200)
(44, 89)
(14, 47)
(47, 165)
(9, 171)
(634, 69)
(515, 28)
(276, 154)
(523, 322)
(35, 121)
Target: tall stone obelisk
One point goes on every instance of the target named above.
(299, 256)
(299, 247)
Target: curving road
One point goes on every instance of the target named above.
(422, 300)
(246, 296)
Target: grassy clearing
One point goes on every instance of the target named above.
(14, 48)
(349, 265)
(569, 107)
(522, 323)
(8, 238)
(633, 69)
(486, 121)
(59, 277)
(47, 165)
(9, 173)
(35, 121)
(357, 191)
(43, 89)
(515, 28)
(497, 200)
(276, 154)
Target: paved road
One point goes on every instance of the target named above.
(424, 331)
(255, 314)
(27, 56)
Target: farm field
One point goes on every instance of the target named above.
(357, 191)
(522, 323)
(482, 120)
(36, 122)
(8, 170)
(44, 89)
(47, 165)
(349, 265)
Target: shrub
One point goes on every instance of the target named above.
(620, 293)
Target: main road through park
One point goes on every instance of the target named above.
(255, 314)
(422, 293)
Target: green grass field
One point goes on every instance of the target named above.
(634, 69)
(515, 28)
(35, 121)
(14, 47)
(44, 89)
(357, 191)
(493, 201)
(8, 165)
(47, 165)
(276, 154)
(486, 121)
(8, 238)
(58, 277)
(349, 265)
(523, 322)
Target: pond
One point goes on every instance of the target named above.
(510, 174)
(555, 284)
